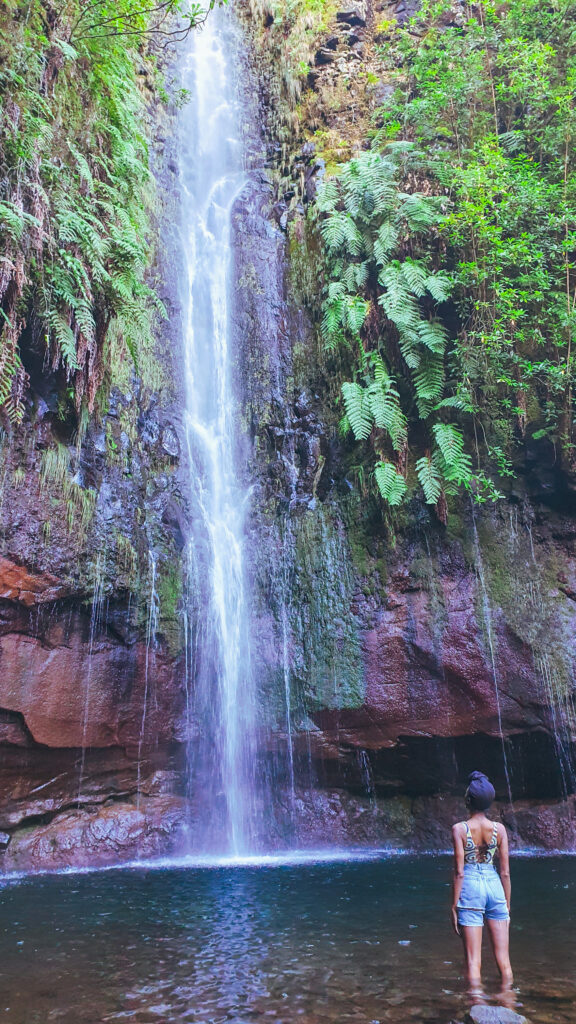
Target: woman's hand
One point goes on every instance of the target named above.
(454, 917)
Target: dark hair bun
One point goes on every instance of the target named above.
(480, 791)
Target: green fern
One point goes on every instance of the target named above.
(416, 277)
(430, 480)
(64, 338)
(455, 463)
(390, 482)
(429, 377)
(358, 411)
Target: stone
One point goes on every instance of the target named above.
(353, 13)
(5, 838)
(17, 583)
(107, 835)
(44, 679)
(493, 1015)
(324, 56)
(170, 442)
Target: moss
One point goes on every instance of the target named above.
(323, 619)
(524, 589)
(169, 587)
(56, 476)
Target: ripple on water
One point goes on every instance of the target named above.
(350, 940)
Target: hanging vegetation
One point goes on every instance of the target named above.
(75, 188)
(450, 250)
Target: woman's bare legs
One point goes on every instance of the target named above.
(499, 937)
(472, 939)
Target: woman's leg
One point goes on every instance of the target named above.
(472, 939)
(499, 937)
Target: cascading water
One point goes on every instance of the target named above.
(223, 707)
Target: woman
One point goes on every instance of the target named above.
(479, 893)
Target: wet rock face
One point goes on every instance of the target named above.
(114, 833)
(73, 687)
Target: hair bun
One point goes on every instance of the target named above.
(476, 777)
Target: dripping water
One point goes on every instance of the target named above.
(487, 615)
(152, 621)
(367, 777)
(560, 702)
(96, 617)
(286, 666)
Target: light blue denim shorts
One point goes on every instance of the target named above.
(482, 896)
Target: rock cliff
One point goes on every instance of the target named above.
(412, 651)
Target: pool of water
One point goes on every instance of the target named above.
(353, 943)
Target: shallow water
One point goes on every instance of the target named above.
(332, 942)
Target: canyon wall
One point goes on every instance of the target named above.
(413, 651)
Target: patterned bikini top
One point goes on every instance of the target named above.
(483, 854)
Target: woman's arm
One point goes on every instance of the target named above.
(458, 876)
(504, 863)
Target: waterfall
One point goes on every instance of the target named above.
(221, 685)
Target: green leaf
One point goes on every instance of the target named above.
(429, 478)
(390, 482)
(357, 405)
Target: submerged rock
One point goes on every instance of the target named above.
(493, 1015)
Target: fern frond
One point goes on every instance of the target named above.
(64, 337)
(429, 478)
(415, 276)
(390, 482)
(357, 405)
(455, 463)
(433, 335)
(385, 242)
(335, 230)
(460, 401)
(429, 377)
(421, 212)
(440, 286)
(356, 311)
(409, 342)
(328, 195)
(13, 220)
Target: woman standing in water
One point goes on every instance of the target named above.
(479, 893)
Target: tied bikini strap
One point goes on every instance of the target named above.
(471, 851)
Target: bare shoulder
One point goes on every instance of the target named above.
(501, 830)
(458, 828)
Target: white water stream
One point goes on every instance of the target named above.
(223, 700)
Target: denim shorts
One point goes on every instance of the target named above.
(482, 896)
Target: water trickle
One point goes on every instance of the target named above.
(151, 644)
(487, 616)
(96, 618)
(286, 665)
(221, 685)
(558, 692)
(367, 776)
